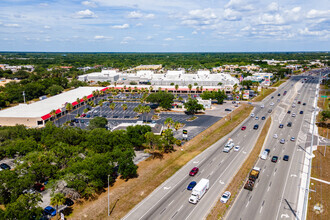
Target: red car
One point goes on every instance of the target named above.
(83, 115)
(194, 171)
(39, 187)
(243, 128)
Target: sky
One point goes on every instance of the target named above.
(164, 25)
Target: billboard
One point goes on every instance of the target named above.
(246, 94)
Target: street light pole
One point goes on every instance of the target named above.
(108, 198)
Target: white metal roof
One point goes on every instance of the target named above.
(43, 107)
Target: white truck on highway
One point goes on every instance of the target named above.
(199, 190)
(229, 145)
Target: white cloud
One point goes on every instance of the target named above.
(168, 39)
(318, 13)
(89, 3)
(306, 31)
(139, 24)
(138, 14)
(231, 15)
(12, 25)
(86, 14)
(194, 32)
(180, 37)
(101, 37)
(149, 37)
(239, 5)
(47, 27)
(126, 40)
(272, 7)
(123, 26)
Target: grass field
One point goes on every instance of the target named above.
(320, 192)
(219, 210)
(124, 195)
(263, 94)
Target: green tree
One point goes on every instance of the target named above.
(190, 87)
(97, 122)
(54, 90)
(168, 122)
(124, 107)
(56, 200)
(192, 106)
(164, 99)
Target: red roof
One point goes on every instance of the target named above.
(58, 111)
(46, 116)
(82, 100)
(74, 103)
(104, 89)
(90, 96)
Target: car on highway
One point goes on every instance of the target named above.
(263, 118)
(292, 139)
(191, 185)
(279, 94)
(274, 159)
(252, 115)
(275, 136)
(293, 106)
(289, 124)
(243, 128)
(5, 166)
(286, 158)
(68, 202)
(299, 102)
(255, 127)
(293, 115)
(194, 171)
(289, 112)
(257, 118)
(301, 112)
(225, 197)
(272, 97)
(269, 111)
(236, 148)
(304, 103)
(228, 110)
(264, 154)
(50, 211)
(282, 141)
(262, 106)
(271, 104)
(281, 126)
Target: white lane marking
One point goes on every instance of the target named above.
(171, 202)
(285, 215)
(244, 152)
(274, 173)
(221, 182)
(166, 188)
(247, 204)
(260, 209)
(293, 175)
(196, 162)
(222, 161)
(180, 208)
(211, 173)
(202, 171)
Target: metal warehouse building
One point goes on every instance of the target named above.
(38, 113)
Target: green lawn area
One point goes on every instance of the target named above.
(277, 84)
(263, 94)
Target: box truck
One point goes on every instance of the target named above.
(199, 190)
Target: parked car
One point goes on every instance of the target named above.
(274, 159)
(39, 187)
(269, 111)
(50, 211)
(252, 115)
(243, 128)
(191, 185)
(83, 115)
(228, 110)
(194, 171)
(286, 158)
(299, 102)
(5, 166)
(225, 197)
(68, 202)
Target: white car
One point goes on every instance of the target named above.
(271, 104)
(225, 197)
(236, 148)
(275, 136)
(252, 115)
(292, 139)
(256, 118)
(293, 114)
(262, 106)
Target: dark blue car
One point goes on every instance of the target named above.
(50, 211)
(191, 185)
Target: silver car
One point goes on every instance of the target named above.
(282, 141)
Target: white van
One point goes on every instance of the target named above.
(264, 155)
(252, 115)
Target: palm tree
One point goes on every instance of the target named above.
(176, 88)
(177, 125)
(112, 106)
(68, 108)
(53, 114)
(147, 110)
(124, 106)
(201, 89)
(168, 122)
(85, 99)
(56, 200)
(197, 89)
(189, 87)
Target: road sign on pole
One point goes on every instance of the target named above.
(185, 133)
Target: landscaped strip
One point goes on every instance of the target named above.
(319, 195)
(219, 210)
(264, 94)
(278, 83)
(153, 172)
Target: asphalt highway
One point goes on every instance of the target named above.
(170, 199)
(275, 195)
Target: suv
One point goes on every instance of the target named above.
(289, 124)
(255, 127)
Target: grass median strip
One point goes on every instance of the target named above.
(219, 210)
(264, 94)
(124, 195)
(278, 83)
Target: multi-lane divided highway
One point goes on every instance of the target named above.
(170, 199)
(275, 195)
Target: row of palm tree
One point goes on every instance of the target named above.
(142, 109)
(170, 123)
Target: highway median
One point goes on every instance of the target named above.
(237, 182)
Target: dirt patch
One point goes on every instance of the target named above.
(220, 209)
(320, 192)
(264, 94)
(124, 195)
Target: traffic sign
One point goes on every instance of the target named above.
(324, 96)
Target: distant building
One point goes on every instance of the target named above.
(103, 76)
